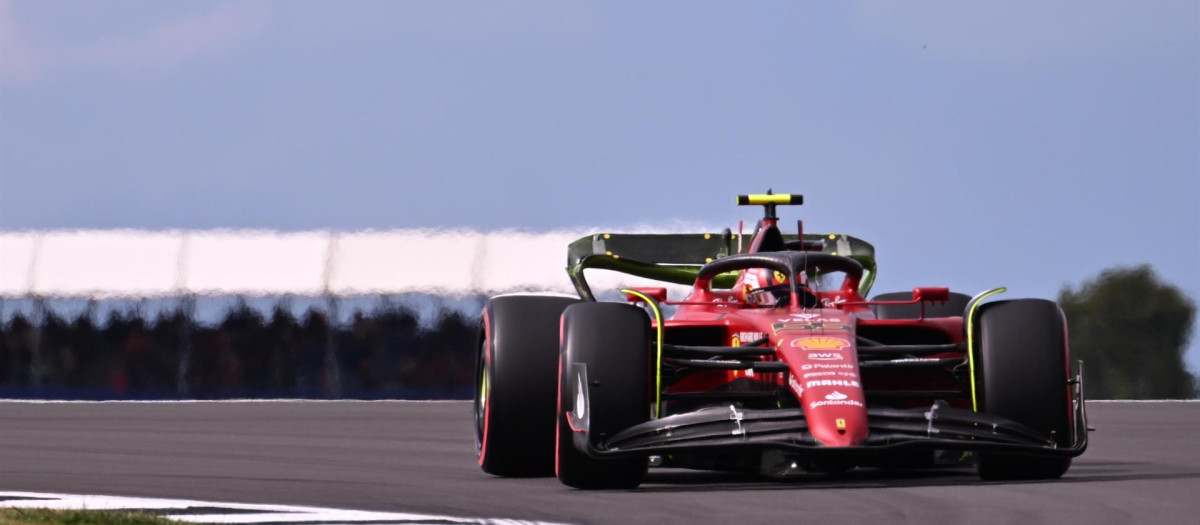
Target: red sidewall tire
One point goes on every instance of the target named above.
(516, 384)
(611, 342)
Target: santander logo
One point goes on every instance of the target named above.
(835, 398)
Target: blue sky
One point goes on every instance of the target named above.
(1024, 143)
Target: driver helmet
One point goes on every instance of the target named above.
(756, 278)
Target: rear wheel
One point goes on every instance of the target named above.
(604, 382)
(516, 384)
(1021, 374)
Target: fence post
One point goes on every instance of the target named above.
(188, 309)
(39, 315)
(333, 368)
(35, 356)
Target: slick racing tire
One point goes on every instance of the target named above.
(952, 308)
(1021, 374)
(516, 384)
(604, 381)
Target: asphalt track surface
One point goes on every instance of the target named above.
(1142, 467)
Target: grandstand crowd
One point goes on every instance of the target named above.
(384, 353)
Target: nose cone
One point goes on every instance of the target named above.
(824, 377)
(837, 425)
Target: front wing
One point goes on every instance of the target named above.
(938, 427)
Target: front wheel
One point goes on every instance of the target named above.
(1021, 374)
(604, 385)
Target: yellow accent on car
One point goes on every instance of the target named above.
(659, 345)
(483, 388)
(971, 340)
(755, 199)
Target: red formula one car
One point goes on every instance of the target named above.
(774, 362)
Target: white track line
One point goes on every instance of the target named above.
(193, 511)
(1114, 401)
(226, 401)
(449, 401)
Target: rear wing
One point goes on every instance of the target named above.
(677, 257)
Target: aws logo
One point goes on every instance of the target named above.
(825, 356)
(821, 343)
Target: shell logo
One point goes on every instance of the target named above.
(821, 343)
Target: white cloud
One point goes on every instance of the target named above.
(25, 57)
(136, 263)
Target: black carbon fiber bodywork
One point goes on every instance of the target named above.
(938, 427)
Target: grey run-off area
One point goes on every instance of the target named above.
(1142, 467)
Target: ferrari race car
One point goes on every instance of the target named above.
(774, 362)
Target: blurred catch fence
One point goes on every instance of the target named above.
(221, 314)
(283, 347)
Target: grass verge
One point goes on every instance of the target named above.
(78, 517)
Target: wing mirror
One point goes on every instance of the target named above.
(931, 294)
(658, 294)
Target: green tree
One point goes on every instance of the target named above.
(1131, 330)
